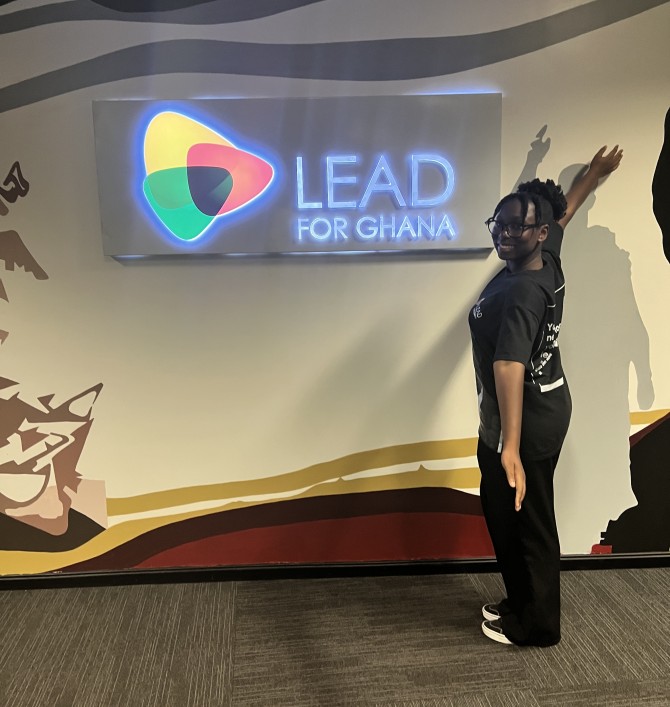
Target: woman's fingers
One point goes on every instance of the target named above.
(516, 476)
(520, 489)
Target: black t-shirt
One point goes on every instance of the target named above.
(518, 318)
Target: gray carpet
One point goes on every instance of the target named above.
(405, 641)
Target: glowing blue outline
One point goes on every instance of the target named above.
(331, 180)
(358, 236)
(458, 92)
(210, 231)
(365, 199)
(300, 188)
(414, 172)
(382, 228)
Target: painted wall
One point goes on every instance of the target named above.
(224, 412)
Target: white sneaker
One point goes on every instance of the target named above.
(493, 630)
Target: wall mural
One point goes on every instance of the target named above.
(45, 505)
(366, 506)
(403, 501)
(375, 60)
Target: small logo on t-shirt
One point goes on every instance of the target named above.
(477, 310)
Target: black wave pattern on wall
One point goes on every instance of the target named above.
(369, 60)
(660, 188)
(185, 12)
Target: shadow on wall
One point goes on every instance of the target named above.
(604, 336)
(645, 527)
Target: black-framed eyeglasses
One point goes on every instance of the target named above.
(514, 230)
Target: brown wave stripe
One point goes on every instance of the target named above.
(282, 513)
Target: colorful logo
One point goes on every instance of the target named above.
(194, 175)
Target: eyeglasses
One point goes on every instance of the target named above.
(514, 230)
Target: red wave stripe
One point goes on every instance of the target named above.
(392, 537)
(408, 503)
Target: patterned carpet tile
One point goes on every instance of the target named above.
(616, 694)
(611, 631)
(507, 698)
(365, 641)
(151, 646)
(405, 641)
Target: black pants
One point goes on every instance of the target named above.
(526, 546)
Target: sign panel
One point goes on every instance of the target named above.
(283, 176)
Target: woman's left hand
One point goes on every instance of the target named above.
(603, 164)
(516, 476)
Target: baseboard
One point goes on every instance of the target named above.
(176, 575)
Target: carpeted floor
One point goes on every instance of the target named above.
(405, 641)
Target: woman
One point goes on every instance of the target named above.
(524, 402)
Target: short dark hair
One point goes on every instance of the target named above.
(547, 198)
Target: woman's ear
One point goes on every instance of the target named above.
(544, 232)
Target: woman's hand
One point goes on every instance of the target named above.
(508, 377)
(516, 476)
(603, 164)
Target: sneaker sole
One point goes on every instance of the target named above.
(495, 635)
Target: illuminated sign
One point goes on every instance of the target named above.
(285, 176)
(377, 228)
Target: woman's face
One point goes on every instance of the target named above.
(511, 242)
